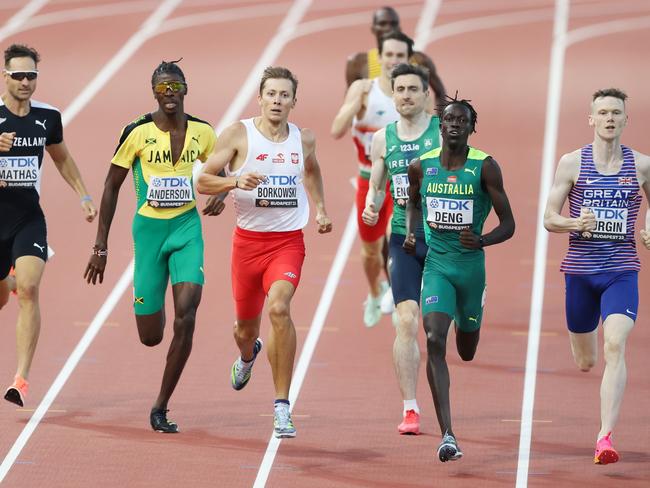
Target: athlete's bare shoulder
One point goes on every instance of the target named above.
(568, 168)
(642, 162)
(307, 136)
(234, 133)
(356, 67)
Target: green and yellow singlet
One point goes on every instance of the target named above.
(452, 201)
(163, 187)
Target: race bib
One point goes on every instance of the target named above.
(611, 225)
(169, 191)
(449, 213)
(19, 171)
(277, 191)
(401, 189)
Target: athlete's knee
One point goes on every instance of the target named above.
(27, 292)
(151, 340)
(407, 326)
(614, 350)
(436, 343)
(184, 326)
(279, 312)
(585, 362)
(371, 250)
(243, 331)
(467, 354)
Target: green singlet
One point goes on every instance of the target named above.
(399, 154)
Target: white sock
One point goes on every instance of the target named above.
(411, 405)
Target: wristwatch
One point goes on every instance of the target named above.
(481, 241)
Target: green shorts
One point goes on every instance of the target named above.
(165, 248)
(455, 286)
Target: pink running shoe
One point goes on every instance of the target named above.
(17, 392)
(605, 452)
(411, 423)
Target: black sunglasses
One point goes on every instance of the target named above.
(21, 75)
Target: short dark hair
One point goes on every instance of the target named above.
(21, 51)
(473, 116)
(609, 92)
(390, 10)
(410, 69)
(397, 36)
(279, 72)
(168, 67)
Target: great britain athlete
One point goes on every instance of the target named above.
(271, 166)
(160, 148)
(28, 127)
(602, 181)
(393, 148)
(368, 107)
(453, 188)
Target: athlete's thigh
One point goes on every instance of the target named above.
(469, 280)
(5, 258)
(247, 268)
(31, 239)
(150, 273)
(185, 250)
(285, 262)
(621, 295)
(29, 271)
(617, 328)
(405, 270)
(582, 302)
(438, 292)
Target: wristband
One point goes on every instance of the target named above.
(481, 241)
(86, 198)
(102, 253)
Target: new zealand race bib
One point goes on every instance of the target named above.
(449, 213)
(19, 171)
(401, 189)
(611, 225)
(169, 191)
(277, 191)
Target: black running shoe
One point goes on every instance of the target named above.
(448, 449)
(160, 423)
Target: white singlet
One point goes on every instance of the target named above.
(280, 204)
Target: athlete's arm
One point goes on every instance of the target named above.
(643, 176)
(413, 206)
(566, 175)
(314, 180)
(354, 68)
(230, 149)
(492, 182)
(352, 105)
(434, 80)
(97, 263)
(377, 189)
(68, 169)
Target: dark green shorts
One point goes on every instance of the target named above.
(455, 286)
(164, 249)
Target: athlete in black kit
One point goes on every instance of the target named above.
(26, 128)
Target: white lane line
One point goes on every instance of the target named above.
(428, 15)
(554, 95)
(606, 28)
(105, 74)
(19, 18)
(281, 37)
(313, 336)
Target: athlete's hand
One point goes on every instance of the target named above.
(370, 216)
(469, 240)
(95, 269)
(587, 220)
(6, 141)
(324, 223)
(89, 210)
(409, 244)
(249, 181)
(214, 205)
(645, 238)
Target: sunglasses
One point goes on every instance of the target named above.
(21, 75)
(174, 86)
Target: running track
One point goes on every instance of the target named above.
(97, 60)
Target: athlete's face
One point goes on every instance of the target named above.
(169, 101)
(455, 125)
(277, 99)
(393, 52)
(383, 22)
(608, 117)
(409, 96)
(20, 89)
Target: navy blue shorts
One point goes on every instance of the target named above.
(592, 296)
(406, 269)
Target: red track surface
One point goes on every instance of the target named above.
(96, 432)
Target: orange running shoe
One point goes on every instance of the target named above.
(17, 392)
(605, 452)
(410, 424)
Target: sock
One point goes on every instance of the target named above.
(411, 405)
(280, 402)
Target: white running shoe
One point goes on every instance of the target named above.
(387, 303)
(372, 310)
